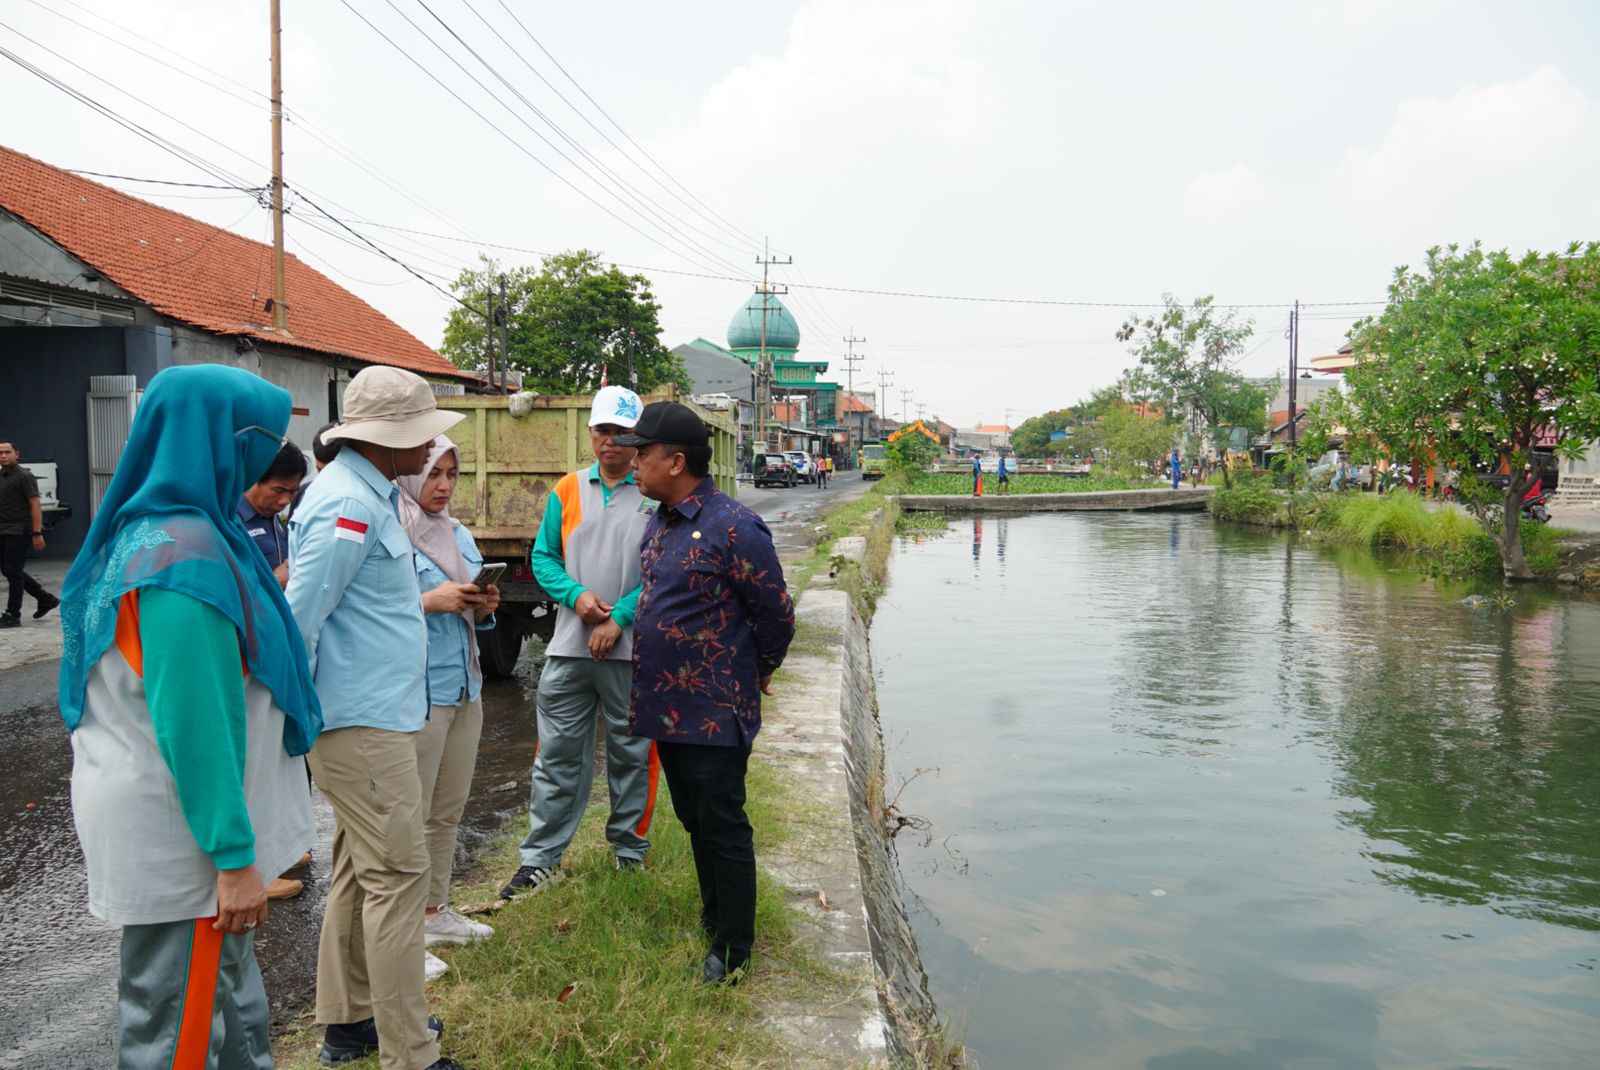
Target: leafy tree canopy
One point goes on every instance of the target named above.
(1477, 357)
(565, 321)
(1186, 357)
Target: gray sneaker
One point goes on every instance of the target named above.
(529, 879)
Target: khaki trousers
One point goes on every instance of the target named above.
(447, 753)
(369, 964)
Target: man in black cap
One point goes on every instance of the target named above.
(714, 622)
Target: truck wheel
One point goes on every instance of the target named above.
(499, 647)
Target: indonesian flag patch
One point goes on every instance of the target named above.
(354, 530)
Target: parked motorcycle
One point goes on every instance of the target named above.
(1533, 504)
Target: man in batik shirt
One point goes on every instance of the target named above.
(713, 624)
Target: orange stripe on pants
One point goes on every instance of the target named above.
(650, 800)
(199, 998)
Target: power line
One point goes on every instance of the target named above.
(155, 181)
(642, 151)
(497, 129)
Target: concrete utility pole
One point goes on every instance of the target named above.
(884, 382)
(501, 315)
(488, 337)
(1294, 370)
(850, 362)
(280, 306)
(764, 376)
(905, 403)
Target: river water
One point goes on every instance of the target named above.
(1202, 797)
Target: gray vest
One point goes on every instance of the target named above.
(602, 553)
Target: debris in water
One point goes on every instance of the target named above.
(1158, 892)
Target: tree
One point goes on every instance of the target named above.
(1477, 358)
(1185, 365)
(1031, 438)
(912, 451)
(566, 320)
(1134, 439)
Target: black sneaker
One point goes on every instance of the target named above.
(529, 879)
(46, 604)
(9, 621)
(357, 1040)
(447, 1064)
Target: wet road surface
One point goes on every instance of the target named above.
(59, 965)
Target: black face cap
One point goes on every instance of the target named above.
(666, 421)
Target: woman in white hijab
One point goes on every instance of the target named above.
(447, 747)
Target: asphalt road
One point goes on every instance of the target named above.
(58, 964)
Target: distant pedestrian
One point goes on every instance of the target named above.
(820, 466)
(447, 563)
(1176, 465)
(715, 621)
(1194, 473)
(184, 684)
(977, 475)
(354, 592)
(1003, 477)
(21, 526)
(586, 557)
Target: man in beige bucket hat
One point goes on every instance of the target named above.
(353, 590)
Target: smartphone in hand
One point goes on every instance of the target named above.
(489, 574)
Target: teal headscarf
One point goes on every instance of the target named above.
(203, 434)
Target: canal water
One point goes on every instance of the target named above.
(1203, 797)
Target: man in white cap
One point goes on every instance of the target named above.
(353, 590)
(586, 557)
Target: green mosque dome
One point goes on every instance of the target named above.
(744, 331)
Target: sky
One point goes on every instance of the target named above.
(1033, 171)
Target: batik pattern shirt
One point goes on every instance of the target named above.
(714, 617)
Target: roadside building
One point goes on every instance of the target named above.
(100, 290)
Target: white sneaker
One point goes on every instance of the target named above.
(448, 927)
(433, 967)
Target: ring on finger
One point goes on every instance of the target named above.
(249, 925)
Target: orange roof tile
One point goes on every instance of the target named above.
(852, 404)
(991, 429)
(202, 275)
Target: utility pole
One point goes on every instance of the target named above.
(280, 307)
(488, 326)
(764, 377)
(884, 381)
(501, 316)
(905, 403)
(1294, 367)
(850, 362)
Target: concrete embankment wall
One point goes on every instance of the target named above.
(1183, 499)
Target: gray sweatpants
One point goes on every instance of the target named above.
(190, 998)
(563, 765)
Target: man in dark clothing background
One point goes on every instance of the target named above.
(21, 526)
(261, 508)
(714, 622)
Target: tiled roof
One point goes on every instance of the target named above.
(849, 403)
(202, 275)
(992, 429)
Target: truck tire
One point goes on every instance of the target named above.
(499, 647)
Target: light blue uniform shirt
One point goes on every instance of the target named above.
(353, 590)
(451, 680)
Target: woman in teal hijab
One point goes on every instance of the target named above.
(185, 685)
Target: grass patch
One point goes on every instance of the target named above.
(1438, 540)
(630, 943)
(1029, 483)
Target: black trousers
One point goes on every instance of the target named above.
(707, 786)
(14, 555)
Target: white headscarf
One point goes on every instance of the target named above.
(434, 534)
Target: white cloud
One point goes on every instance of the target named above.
(1227, 197)
(1507, 132)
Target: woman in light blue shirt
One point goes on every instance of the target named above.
(447, 561)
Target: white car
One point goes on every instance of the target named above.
(802, 465)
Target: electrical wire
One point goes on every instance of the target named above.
(499, 130)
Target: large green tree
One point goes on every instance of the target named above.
(1031, 438)
(1186, 356)
(567, 319)
(1479, 356)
